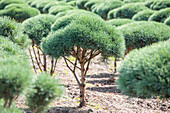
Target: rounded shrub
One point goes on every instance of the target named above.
(40, 5)
(160, 15)
(38, 27)
(106, 6)
(129, 10)
(56, 9)
(80, 3)
(134, 1)
(44, 90)
(90, 3)
(167, 21)
(143, 15)
(11, 29)
(140, 34)
(51, 4)
(119, 22)
(15, 73)
(4, 3)
(145, 72)
(158, 4)
(19, 12)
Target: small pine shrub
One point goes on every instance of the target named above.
(119, 22)
(129, 10)
(38, 27)
(56, 9)
(145, 72)
(19, 12)
(140, 34)
(167, 21)
(143, 15)
(11, 29)
(4, 3)
(80, 4)
(160, 15)
(44, 90)
(15, 74)
(106, 6)
(42, 4)
(158, 4)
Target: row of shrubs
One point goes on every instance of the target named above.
(16, 76)
(139, 10)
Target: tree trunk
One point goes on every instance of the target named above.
(82, 87)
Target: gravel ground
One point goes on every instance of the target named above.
(102, 94)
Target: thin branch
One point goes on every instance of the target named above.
(92, 57)
(6, 101)
(72, 63)
(72, 71)
(10, 102)
(36, 56)
(52, 64)
(45, 63)
(87, 68)
(32, 61)
(39, 57)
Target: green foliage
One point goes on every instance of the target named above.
(14, 76)
(145, 72)
(90, 3)
(4, 3)
(106, 6)
(158, 4)
(143, 15)
(84, 30)
(119, 22)
(129, 10)
(11, 29)
(19, 12)
(12, 109)
(42, 4)
(111, 14)
(38, 27)
(56, 9)
(140, 34)
(44, 90)
(134, 1)
(80, 3)
(160, 15)
(167, 21)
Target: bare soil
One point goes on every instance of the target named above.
(102, 95)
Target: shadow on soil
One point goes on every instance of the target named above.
(68, 110)
(101, 75)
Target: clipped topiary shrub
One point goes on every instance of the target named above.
(56, 9)
(145, 72)
(158, 4)
(15, 76)
(44, 90)
(143, 15)
(106, 6)
(133, 1)
(83, 36)
(38, 27)
(140, 34)
(119, 22)
(80, 3)
(129, 10)
(160, 16)
(19, 12)
(11, 29)
(90, 3)
(167, 21)
(40, 5)
(4, 3)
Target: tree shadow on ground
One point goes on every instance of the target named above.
(68, 110)
(111, 89)
(101, 75)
